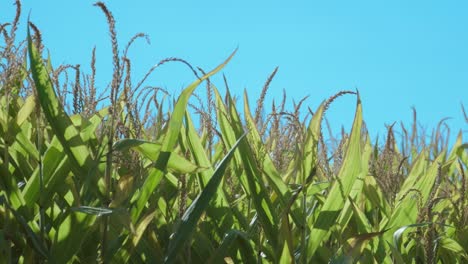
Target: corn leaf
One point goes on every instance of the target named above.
(170, 141)
(192, 215)
(60, 122)
(347, 175)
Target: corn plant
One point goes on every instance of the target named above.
(132, 177)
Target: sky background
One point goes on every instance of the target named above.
(398, 54)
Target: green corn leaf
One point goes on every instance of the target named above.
(232, 240)
(268, 167)
(251, 176)
(22, 151)
(454, 249)
(151, 150)
(353, 247)
(131, 244)
(397, 236)
(416, 172)
(26, 109)
(308, 159)
(55, 170)
(285, 257)
(37, 243)
(317, 187)
(170, 141)
(347, 175)
(408, 203)
(361, 219)
(195, 144)
(349, 209)
(60, 122)
(179, 110)
(230, 129)
(271, 173)
(374, 196)
(90, 126)
(201, 158)
(9, 185)
(192, 215)
(70, 235)
(220, 208)
(399, 233)
(396, 256)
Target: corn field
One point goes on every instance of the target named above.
(133, 176)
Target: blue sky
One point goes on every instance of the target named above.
(398, 54)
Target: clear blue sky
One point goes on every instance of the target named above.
(398, 54)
